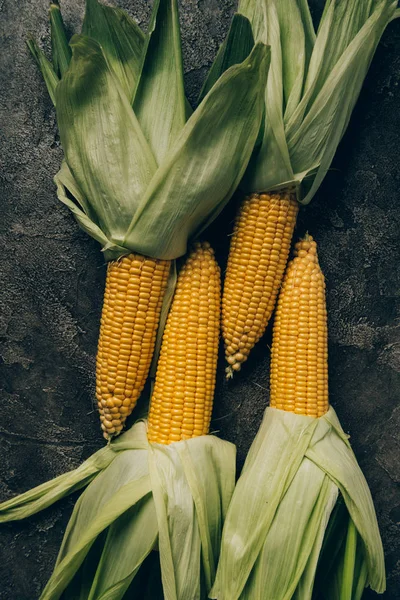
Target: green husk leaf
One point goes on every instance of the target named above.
(160, 103)
(48, 493)
(313, 85)
(135, 535)
(61, 52)
(293, 47)
(326, 121)
(79, 588)
(121, 39)
(344, 21)
(179, 493)
(272, 162)
(46, 69)
(206, 163)
(192, 485)
(289, 499)
(45, 495)
(104, 146)
(235, 49)
(66, 567)
(349, 563)
(66, 182)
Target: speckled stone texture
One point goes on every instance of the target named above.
(52, 278)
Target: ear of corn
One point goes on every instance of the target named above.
(257, 259)
(181, 402)
(172, 495)
(299, 357)
(298, 465)
(134, 293)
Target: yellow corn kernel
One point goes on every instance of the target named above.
(181, 403)
(127, 335)
(299, 356)
(257, 259)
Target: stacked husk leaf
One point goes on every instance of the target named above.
(314, 82)
(136, 175)
(140, 176)
(293, 526)
(142, 497)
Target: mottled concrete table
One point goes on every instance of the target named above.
(52, 278)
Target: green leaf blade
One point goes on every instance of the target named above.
(289, 499)
(61, 52)
(49, 76)
(104, 146)
(205, 165)
(121, 39)
(234, 50)
(159, 102)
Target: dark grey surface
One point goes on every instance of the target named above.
(52, 278)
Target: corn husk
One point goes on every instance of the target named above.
(295, 472)
(235, 49)
(135, 176)
(314, 82)
(139, 497)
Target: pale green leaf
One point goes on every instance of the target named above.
(104, 146)
(48, 74)
(159, 103)
(235, 49)
(293, 48)
(344, 20)
(210, 487)
(297, 530)
(313, 144)
(288, 500)
(271, 164)
(69, 562)
(206, 163)
(260, 489)
(309, 33)
(61, 52)
(192, 484)
(129, 540)
(179, 541)
(121, 39)
(48, 493)
(313, 85)
(334, 456)
(65, 181)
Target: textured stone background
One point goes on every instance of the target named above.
(52, 278)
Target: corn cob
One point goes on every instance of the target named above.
(257, 259)
(181, 403)
(299, 361)
(133, 297)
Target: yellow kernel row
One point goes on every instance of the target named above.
(135, 287)
(299, 357)
(182, 398)
(257, 259)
